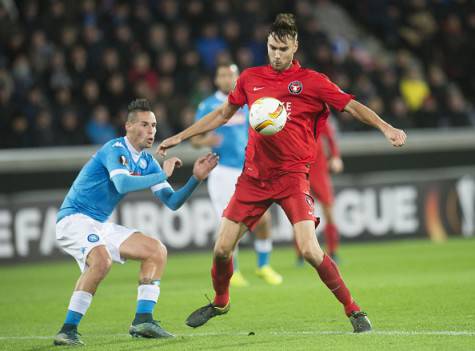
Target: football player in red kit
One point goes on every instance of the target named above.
(327, 160)
(276, 167)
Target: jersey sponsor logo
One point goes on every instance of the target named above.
(93, 238)
(257, 88)
(123, 160)
(295, 87)
(143, 163)
(118, 144)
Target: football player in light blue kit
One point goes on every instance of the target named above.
(229, 142)
(119, 167)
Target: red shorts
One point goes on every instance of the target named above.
(253, 197)
(321, 183)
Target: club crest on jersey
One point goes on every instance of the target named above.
(143, 164)
(295, 87)
(123, 160)
(93, 238)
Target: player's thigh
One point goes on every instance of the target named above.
(100, 258)
(299, 207)
(78, 235)
(140, 247)
(263, 227)
(248, 210)
(114, 236)
(229, 233)
(221, 186)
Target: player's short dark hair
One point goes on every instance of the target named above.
(137, 105)
(284, 27)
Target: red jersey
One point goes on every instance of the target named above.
(306, 95)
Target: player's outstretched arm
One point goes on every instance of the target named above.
(125, 183)
(174, 199)
(211, 121)
(396, 137)
(208, 139)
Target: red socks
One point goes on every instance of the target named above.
(329, 274)
(221, 273)
(331, 238)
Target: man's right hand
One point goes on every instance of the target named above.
(170, 164)
(167, 144)
(397, 137)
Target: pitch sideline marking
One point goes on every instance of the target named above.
(296, 333)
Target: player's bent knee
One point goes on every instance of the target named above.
(222, 253)
(313, 255)
(101, 266)
(104, 266)
(100, 260)
(158, 252)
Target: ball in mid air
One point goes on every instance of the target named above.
(267, 116)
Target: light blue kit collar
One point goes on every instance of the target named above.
(135, 154)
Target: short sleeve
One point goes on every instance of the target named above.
(331, 94)
(238, 96)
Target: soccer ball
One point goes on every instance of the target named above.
(267, 116)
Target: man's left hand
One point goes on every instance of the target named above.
(204, 165)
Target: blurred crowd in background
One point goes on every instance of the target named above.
(69, 68)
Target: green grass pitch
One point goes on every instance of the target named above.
(419, 295)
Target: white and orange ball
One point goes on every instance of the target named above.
(267, 116)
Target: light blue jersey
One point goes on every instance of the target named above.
(93, 193)
(234, 133)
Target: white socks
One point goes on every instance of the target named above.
(263, 245)
(80, 302)
(149, 292)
